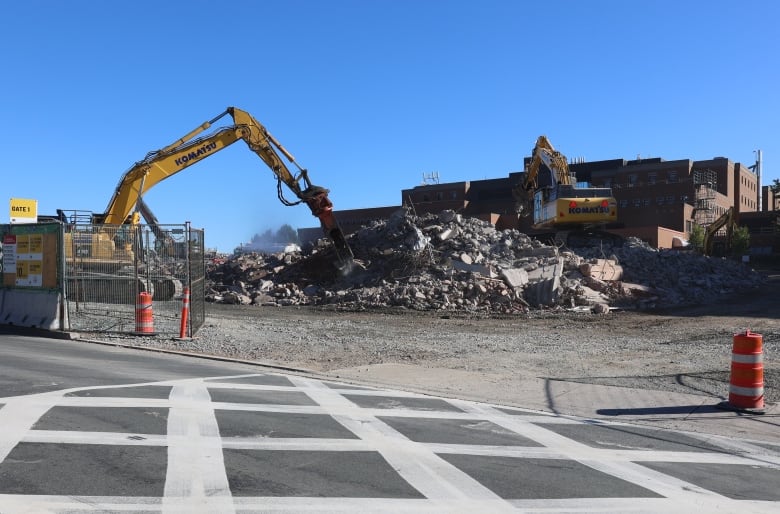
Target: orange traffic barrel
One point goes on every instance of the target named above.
(746, 385)
(144, 317)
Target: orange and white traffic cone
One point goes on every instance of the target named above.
(185, 313)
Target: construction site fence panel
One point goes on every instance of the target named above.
(30, 276)
(107, 267)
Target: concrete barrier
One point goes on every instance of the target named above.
(34, 309)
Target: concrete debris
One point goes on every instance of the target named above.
(448, 262)
(602, 269)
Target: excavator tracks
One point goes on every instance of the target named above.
(117, 289)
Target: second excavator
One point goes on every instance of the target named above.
(560, 207)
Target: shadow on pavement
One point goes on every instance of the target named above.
(653, 411)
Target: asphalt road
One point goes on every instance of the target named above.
(93, 428)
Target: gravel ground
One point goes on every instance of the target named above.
(681, 350)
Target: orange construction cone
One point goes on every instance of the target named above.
(185, 313)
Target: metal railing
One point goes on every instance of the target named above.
(106, 267)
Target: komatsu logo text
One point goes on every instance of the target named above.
(588, 210)
(196, 154)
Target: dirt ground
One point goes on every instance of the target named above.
(685, 350)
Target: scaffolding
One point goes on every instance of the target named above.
(705, 183)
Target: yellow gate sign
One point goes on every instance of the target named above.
(24, 210)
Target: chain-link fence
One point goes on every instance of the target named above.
(113, 271)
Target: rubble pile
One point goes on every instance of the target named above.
(449, 262)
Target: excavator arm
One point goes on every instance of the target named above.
(162, 164)
(265, 146)
(543, 153)
(727, 220)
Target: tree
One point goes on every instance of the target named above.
(740, 241)
(265, 237)
(272, 240)
(775, 188)
(286, 234)
(696, 238)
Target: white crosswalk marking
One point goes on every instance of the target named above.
(197, 478)
(433, 477)
(196, 471)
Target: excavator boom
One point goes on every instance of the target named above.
(186, 151)
(728, 220)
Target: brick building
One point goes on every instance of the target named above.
(770, 200)
(658, 200)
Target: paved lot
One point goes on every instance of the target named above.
(263, 442)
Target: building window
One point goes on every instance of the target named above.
(624, 203)
(637, 202)
(632, 180)
(453, 195)
(671, 176)
(440, 196)
(651, 178)
(670, 200)
(646, 201)
(659, 200)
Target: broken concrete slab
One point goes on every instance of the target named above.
(515, 277)
(543, 293)
(602, 269)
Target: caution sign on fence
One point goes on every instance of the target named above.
(29, 260)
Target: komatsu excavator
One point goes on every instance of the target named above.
(162, 164)
(126, 205)
(559, 206)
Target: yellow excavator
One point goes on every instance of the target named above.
(162, 164)
(111, 241)
(549, 192)
(729, 221)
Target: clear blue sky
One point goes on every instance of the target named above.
(371, 94)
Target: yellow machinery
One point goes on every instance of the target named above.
(550, 192)
(111, 242)
(727, 220)
(161, 164)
